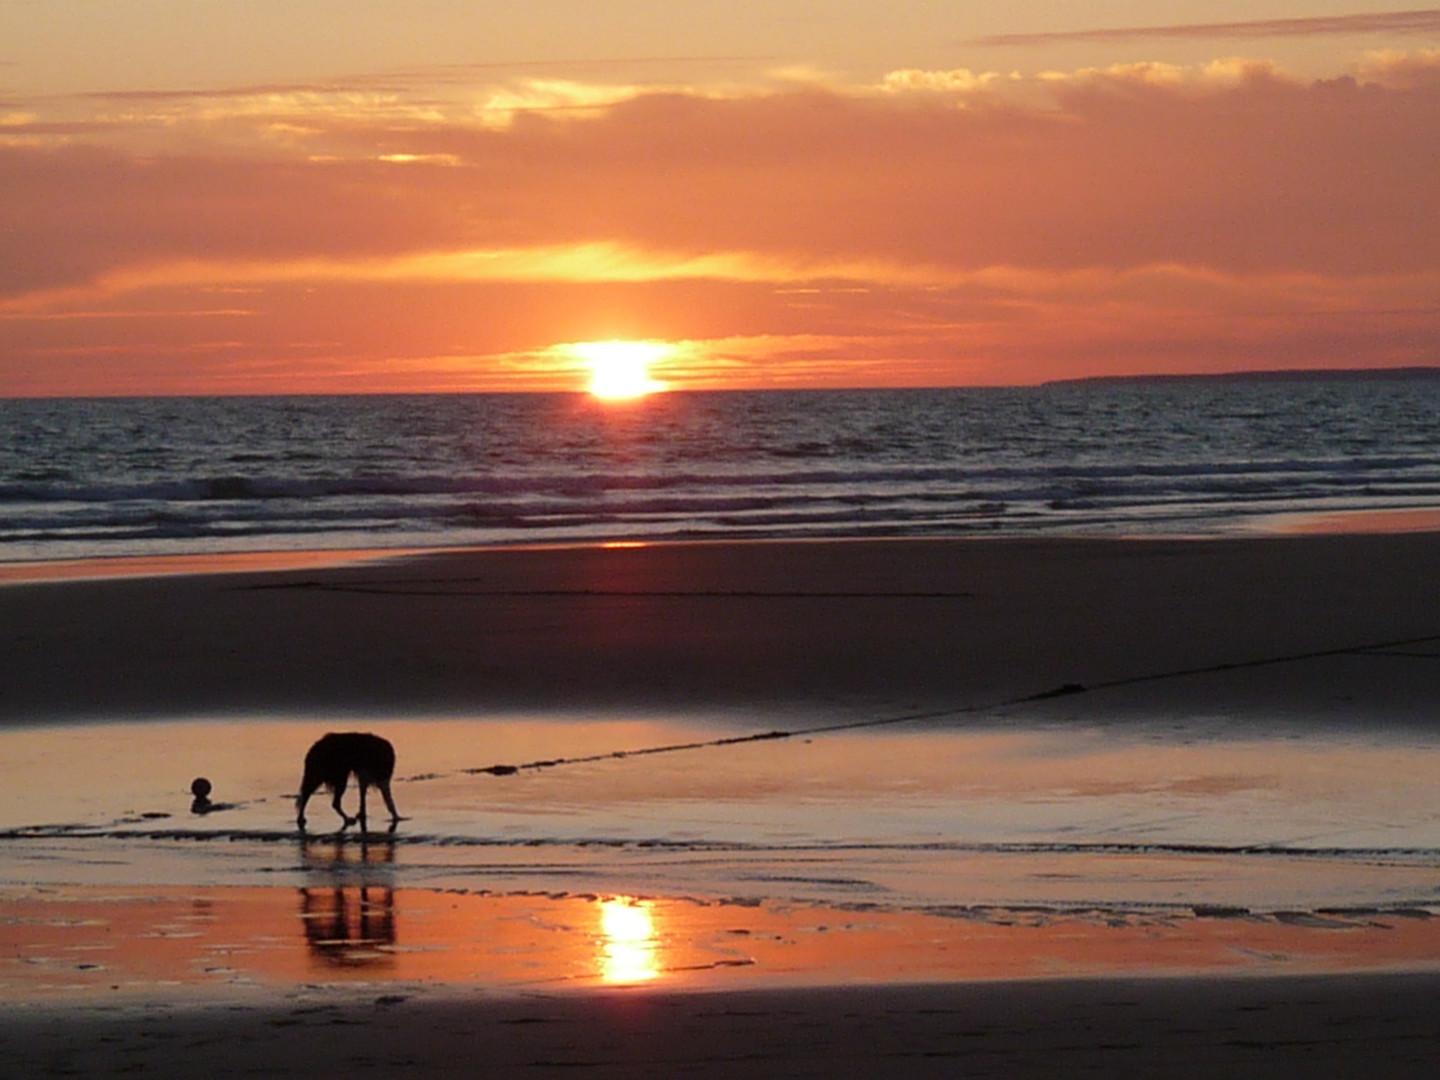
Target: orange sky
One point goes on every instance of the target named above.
(250, 198)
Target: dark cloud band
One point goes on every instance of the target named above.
(1425, 21)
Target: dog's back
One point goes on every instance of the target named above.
(335, 756)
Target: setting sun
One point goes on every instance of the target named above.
(621, 369)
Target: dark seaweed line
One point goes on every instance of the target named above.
(1381, 648)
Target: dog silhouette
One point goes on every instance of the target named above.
(331, 761)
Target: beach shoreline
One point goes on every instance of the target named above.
(1213, 639)
(1309, 523)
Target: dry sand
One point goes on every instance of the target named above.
(857, 628)
(1344, 627)
(1363, 1027)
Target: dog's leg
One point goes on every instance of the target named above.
(384, 786)
(306, 790)
(335, 802)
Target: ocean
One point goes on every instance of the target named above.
(85, 477)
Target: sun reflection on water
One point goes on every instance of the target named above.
(627, 952)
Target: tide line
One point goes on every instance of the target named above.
(1389, 648)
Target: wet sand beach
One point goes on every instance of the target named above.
(1042, 805)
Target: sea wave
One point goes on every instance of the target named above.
(134, 476)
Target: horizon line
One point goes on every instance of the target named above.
(1410, 371)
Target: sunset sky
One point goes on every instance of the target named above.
(338, 196)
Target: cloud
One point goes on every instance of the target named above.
(561, 263)
(1229, 165)
(21, 311)
(424, 80)
(395, 100)
(814, 279)
(936, 226)
(1425, 21)
(955, 81)
(465, 96)
(1401, 70)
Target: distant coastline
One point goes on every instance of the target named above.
(1277, 375)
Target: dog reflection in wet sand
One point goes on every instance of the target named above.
(334, 758)
(349, 927)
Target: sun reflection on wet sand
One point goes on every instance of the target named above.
(628, 948)
(1411, 519)
(79, 942)
(222, 562)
